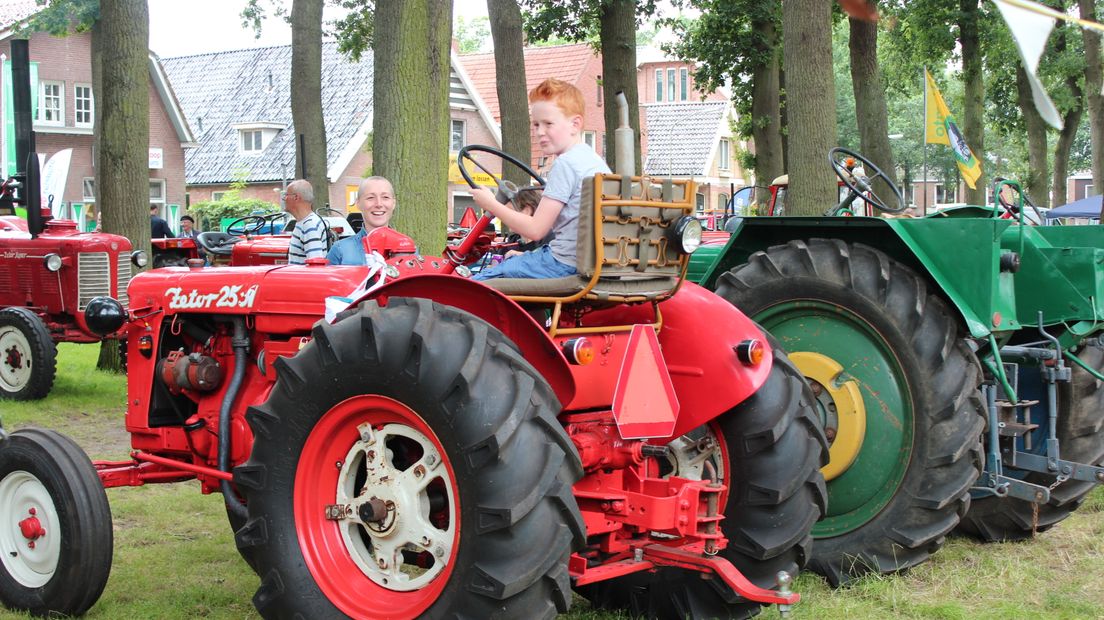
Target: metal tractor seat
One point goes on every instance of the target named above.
(623, 252)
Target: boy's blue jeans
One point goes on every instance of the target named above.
(536, 264)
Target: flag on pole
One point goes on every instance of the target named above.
(940, 128)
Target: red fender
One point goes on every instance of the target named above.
(498, 310)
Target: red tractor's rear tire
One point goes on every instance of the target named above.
(436, 415)
(770, 456)
(50, 489)
(1081, 439)
(28, 356)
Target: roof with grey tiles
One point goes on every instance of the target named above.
(13, 11)
(223, 89)
(681, 136)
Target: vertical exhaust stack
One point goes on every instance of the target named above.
(623, 139)
(26, 160)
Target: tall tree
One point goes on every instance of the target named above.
(122, 160)
(616, 22)
(1094, 80)
(870, 100)
(810, 105)
(1037, 181)
(411, 119)
(306, 96)
(513, 104)
(737, 42)
(1071, 103)
(973, 117)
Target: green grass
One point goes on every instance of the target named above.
(175, 555)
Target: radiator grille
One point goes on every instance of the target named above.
(93, 277)
(124, 279)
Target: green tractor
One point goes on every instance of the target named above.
(954, 359)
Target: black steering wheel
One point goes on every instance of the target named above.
(251, 224)
(216, 242)
(507, 191)
(861, 185)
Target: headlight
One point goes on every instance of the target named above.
(52, 262)
(686, 234)
(139, 258)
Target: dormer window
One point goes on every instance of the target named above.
(253, 138)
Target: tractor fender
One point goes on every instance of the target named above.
(958, 257)
(494, 308)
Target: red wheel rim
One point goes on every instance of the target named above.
(370, 448)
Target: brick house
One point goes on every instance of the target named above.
(691, 127)
(239, 103)
(64, 118)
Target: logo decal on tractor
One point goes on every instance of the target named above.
(229, 296)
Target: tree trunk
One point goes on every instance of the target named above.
(411, 121)
(1094, 79)
(1071, 121)
(1037, 174)
(973, 121)
(870, 101)
(618, 36)
(306, 96)
(513, 101)
(766, 129)
(123, 107)
(810, 105)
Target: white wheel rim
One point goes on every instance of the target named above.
(369, 472)
(15, 359)
(31, 563)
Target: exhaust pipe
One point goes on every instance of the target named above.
(623, 139)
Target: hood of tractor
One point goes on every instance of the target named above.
(295, 290)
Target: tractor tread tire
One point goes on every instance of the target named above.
(43, 353)
(496, 418)
(1081, 439)
(776, 493)
(933, 494)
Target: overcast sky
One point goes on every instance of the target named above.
(201, 26)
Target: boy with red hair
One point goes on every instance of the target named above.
(556, 111)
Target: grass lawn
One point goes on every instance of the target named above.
(175, 555)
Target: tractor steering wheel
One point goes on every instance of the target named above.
(251, 224)
(507, 191)
(861, 186)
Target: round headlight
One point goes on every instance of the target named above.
(104, 315)
(686, 234)
(139, 258)
(52, 262)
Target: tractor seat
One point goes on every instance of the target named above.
(623, 252)
(216, 242)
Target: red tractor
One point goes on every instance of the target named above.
(447, 446)
(49, 272)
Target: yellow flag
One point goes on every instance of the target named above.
(940, 128)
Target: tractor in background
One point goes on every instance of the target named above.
(49, 271)
(441, 445)
(954, 358)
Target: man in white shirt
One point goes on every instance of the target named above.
(308, 239)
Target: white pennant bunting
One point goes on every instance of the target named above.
(1030, 29)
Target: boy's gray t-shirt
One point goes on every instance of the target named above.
(565, 183)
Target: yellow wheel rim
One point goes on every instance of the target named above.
(841, 407)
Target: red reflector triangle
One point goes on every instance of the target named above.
(644, 401)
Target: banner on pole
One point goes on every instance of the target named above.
(940, 128)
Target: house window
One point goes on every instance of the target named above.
(51, 103)
(723, 157)
(82, 104)
(1088, 190)
(670, 85)
(722, 201)
(88, 189)
(684, 84)
(590, 137)
(157, 194)
(457, 140)
(699, 202)
(251, 141)
(659, 84)
(217, 196)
